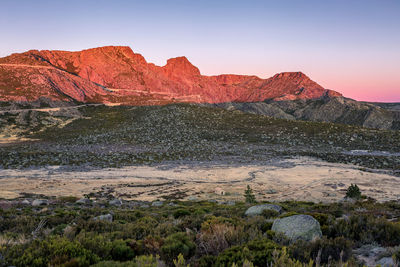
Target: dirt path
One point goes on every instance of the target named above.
(304, 179)
(46, 109)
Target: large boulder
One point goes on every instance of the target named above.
(296, 227)
(258, 210)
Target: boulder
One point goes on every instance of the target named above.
(115, 202)
(40, 202)
(385, 262)
(84, 201)
(157, 203)
(25, 202)
(258, 210)
(296, 227)
(106, 217)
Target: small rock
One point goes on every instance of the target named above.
(296, 227)
(271, 191)
(25, 202)
(157, 203)
(385, 262)
(84, 201)
(106, 217)
(192, 198)
(115, 202)
(258, 210)
(40, 202)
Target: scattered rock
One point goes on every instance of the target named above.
(84, 201)
(258, 210)
(385, 262)
(296, 227)
(192, 198)
(115, 202)
(271, 191)
(107, 217)
(157, 203)
(40, 202)
(25, 202)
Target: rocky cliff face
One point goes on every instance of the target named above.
(118, 75)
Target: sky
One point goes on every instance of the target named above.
(351, 46)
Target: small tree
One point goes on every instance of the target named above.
(249, 195)
(353, 192)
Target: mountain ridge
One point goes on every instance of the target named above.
(115, 74)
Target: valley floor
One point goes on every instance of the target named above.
(301, 178)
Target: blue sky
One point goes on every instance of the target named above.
(350, 46)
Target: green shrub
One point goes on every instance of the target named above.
(366, 229)
(175, 244)
(259, 252)
(330, 248)
(54, 251)
(180, 213)
(353, 192)
(270, 214)
(121, 251)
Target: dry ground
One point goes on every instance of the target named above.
(303, 178)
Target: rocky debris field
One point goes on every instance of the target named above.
(101, 136)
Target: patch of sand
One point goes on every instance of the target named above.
(304, 179)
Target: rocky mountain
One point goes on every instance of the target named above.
(116, 74)
(326, 109)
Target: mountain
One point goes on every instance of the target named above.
(326, 109)
(115, 74)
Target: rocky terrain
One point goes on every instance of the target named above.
(118, 75)
(326, 109)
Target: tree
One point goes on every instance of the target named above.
(249, 195)
(353, 192)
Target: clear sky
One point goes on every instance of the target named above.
(351, 46)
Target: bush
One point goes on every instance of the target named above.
(270, 214)
(353, 192)
(55, 251)
(180, 213)
(259, 252)
(121, 251)
(366, 229)
(175, 244)
(330, 248)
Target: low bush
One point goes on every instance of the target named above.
(175, 244)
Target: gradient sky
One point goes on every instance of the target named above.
(351, 46)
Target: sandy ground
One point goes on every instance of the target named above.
(302, 179)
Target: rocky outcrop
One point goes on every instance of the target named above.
(115, 74)
(259, 209)
(326, 109)
(295, 227)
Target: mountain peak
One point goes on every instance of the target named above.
(181, 65)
